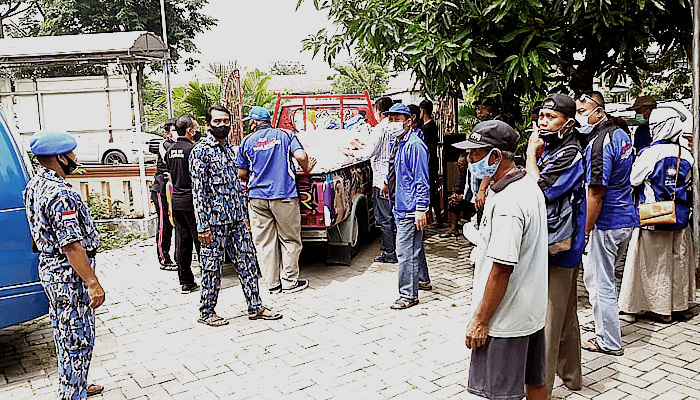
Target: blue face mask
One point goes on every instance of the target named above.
(639, 118)
(481, 169)
(585, 128)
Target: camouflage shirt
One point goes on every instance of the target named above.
(216, 188)
(57, 217)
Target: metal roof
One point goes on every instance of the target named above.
(127, 47)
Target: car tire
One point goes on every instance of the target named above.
(113, 157)
(355, 238)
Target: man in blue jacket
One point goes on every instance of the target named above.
(555, 159)
(409, 190)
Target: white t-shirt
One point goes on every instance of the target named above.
(514, 232)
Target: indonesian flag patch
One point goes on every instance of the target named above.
(69, 216)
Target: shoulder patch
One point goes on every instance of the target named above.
(68, 215)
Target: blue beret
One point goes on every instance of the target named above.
(51, 143)
(398, 108)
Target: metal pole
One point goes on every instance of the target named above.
(166, 62)
(695, 63)
(139, 142)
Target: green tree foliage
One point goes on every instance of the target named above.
(356, 76)
(184, 20)
(20, 9)
(195, 97)
(668, 78)
(510, 47)
(254, 88)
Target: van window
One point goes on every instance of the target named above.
(12, 171)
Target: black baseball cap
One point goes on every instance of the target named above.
(492, 133)
(562, 103)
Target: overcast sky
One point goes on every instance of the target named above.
(257, 33)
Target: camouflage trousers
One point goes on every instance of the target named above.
(234, 239)
(73, 323)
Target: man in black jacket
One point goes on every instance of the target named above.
(164, 231)
(177, 161)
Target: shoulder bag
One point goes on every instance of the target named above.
(661, 212)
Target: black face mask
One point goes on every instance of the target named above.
(220, 131)
(555, 136)
(68, 168)
(197, 135)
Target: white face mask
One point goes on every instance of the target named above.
(396, 129)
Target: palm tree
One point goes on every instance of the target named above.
(255, 92)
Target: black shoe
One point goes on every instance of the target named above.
(190, 288)
(276, 290)
(301, 285)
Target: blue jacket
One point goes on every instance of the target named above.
(412, 182)
(654, 174)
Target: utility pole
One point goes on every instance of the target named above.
(695, 62)
(166, 62)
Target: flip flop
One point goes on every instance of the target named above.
(588, 327)
(94, 389)
(597, 349)
(402, 303)
(212, 320)
(425, 286)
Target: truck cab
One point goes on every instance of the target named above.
(22, 297)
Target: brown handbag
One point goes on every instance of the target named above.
(661, 212)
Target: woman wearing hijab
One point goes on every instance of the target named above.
(659, 277)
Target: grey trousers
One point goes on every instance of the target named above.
(276, 229)
(562, 333)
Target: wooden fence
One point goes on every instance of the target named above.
(117, 182)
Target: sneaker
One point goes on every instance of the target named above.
(190, 288)
(384, 258)
(276, 290)
(301, 285)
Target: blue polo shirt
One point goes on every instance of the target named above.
(609, 163)
(267, 155)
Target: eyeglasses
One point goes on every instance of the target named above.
(584, 97)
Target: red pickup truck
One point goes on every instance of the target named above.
(335, 200)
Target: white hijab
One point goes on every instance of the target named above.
(665, 124)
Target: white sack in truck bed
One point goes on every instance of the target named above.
(323, 144)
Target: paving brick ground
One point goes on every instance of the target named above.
(338, 339)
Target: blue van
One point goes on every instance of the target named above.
(22, 297)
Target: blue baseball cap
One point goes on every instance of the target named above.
(259, 114)
(52, 143)
(399, 108)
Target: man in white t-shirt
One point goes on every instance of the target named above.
(506, 332)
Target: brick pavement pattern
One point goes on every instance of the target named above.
(337, 340)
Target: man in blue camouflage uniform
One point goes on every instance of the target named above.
(222, 220)
(67, 239)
